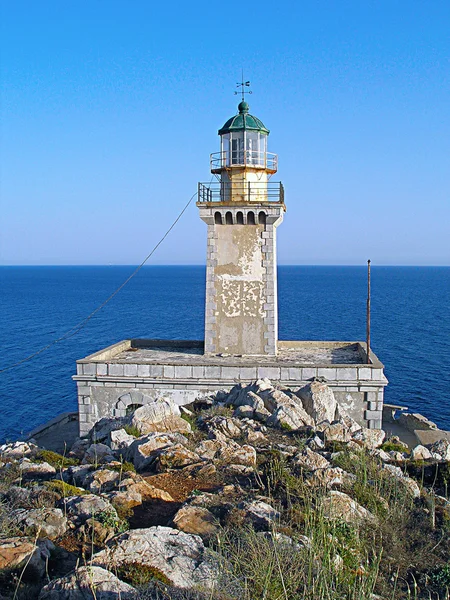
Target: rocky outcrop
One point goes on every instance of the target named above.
(257, 466)
(180, 557)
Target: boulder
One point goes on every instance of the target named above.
(329, 477)
(197, 520)
(310, 461)
(286, 410)
(220, 427)
(315, 443)
(420, 453)
(441, 447)
(179, 556)
(239, 455)
(261, 514)
(17, 450)
(38, 471)
(336, 432)
(102, 428)
(79, 448)
(175, 457)
(408, 483)
(318, 401)
(143, 451)
(162, 415)
(88, 582)
(244, 411)
(102, 480)
(369, 438)
(76, 475)
(81, 508)
(340, 506)
(290, 417)
(98, 454)
(260, 411)
(20, 552)
(209, 449)
(41, 522)
(120, 440)
(135, 484)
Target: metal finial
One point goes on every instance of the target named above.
(243, 85)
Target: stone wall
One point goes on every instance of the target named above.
(107, 386)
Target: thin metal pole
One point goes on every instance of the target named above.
(368, 315)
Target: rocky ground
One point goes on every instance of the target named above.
(255, 493)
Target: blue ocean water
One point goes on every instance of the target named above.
(410, 326)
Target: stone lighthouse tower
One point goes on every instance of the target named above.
(242, 210)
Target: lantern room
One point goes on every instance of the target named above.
(243, 143)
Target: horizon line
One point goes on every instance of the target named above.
(444, 266)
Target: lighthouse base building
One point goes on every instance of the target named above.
(242, 209)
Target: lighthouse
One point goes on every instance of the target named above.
(242, 210)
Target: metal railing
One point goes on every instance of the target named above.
(227, 191)
(244, 158)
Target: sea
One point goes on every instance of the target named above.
(410, 326)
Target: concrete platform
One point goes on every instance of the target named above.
(58, 434)
(115, 380)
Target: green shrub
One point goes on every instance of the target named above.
(132, 430)
(64, 489)
(191, 419)
(388, 446)
(138, 575)
(124, 467)
(110, 519)
(56, 460)
(440, 577)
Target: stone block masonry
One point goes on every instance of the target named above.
(134, 372)
(241, 288)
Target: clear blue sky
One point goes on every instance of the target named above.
(111, 108)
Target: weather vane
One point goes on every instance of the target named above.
(243, 85)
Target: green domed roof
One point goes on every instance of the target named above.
(243, 121)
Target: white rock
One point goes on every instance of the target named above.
(144, 450)
(318, 401)
(119, 439)
(98, 454)
(219, 427)
(17, 450)
(310, 460)
(42, 522)
(441, 447)
(420, 453)
(181, 557)
(81, 508)
(80, 585)
(369, 438)
(261, 514)
(330, 477)
(32, 470)
(159, 416)
(338, 505)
